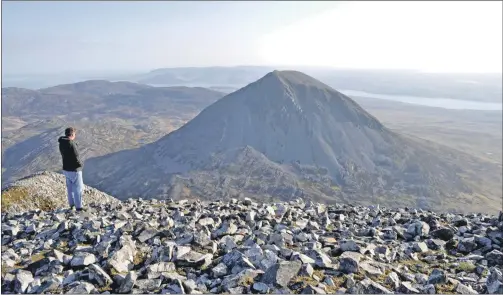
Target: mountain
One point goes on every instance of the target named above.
(103, 98)
(288, 135)
(45, 191)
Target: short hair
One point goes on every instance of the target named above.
(70, 131)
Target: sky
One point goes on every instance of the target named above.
(58, 37)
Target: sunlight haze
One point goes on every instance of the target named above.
(54, 37)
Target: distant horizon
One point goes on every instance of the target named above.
(272, 67)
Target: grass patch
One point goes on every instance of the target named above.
(114, 272)
(338, 282)
(246, 281)
(335, 188)
(381, 279)
(38, 256)
(138, 258)
(447, 288)
(20, 196)
(13, 196)
(466, 266)
(359, 276)
(105, 288)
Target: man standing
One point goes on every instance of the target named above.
(72, 168)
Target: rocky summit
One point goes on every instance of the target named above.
(241, 246)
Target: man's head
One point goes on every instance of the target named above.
(70, 133)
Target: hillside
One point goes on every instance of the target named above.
(34, 148)
(45, 191)
(244, 247)
(288, 135)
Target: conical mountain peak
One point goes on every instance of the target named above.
(286, 135)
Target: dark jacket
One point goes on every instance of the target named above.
(70, 154)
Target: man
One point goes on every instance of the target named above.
(72, 168)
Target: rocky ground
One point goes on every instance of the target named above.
(45, 191)
(245, 247)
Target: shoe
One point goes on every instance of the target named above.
(80, 209)
(72, 208)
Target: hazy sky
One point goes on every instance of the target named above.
(52, 37)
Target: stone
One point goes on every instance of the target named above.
(406, 288)
(463, 289)
(260, 288)
(22, 280)
(306, 270)
(148, 285)
(349, 265)
(220, 270)
(444, 234)
(313, 290)
(437, 276)
(420, 247)
(280, 274)
(418, 228)
(393, 280)
(494, 258)
(467, 245)
(494, 282)
(128, 283)
(83, 259)
(81, 288)
(370, 269)
(99, 276)
(349, 245)
(367, 286)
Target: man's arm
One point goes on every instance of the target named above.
(76, 152)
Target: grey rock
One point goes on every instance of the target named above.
(444, 234)
(148, 285)
(494, 283)
(463, 289)
(467, 245)
(99, 276)
(393, 280)
(280, 274)
(494, 258)
(128, 283)
(367, 286)
(22, 281)
(260, 288)
(420, 247)
(306, 270)
(437, 276)
(313, 290)
(349, 264)
(220, 270)
(83, 259)
(81, 288)
(406, 288)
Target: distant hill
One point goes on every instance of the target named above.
(94, 98)
(289, 135)
(109, 117)
(473, 87)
